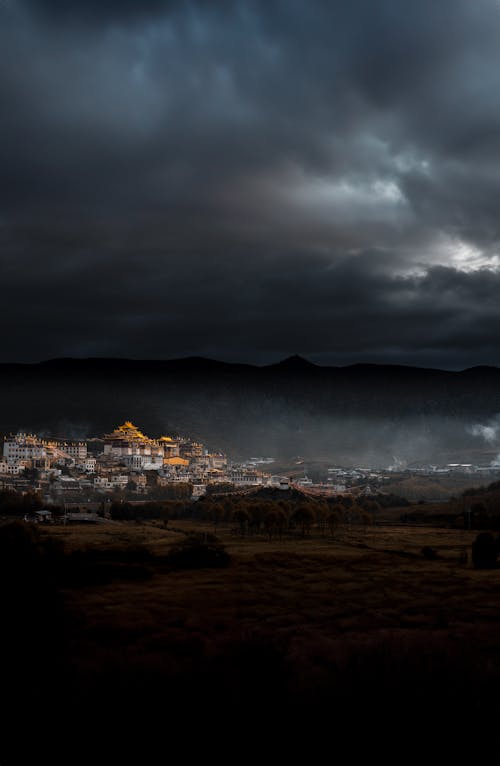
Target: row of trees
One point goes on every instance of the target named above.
(251, 514)
(175, 490)
(476, 508)
(121, 510)
(275, 518)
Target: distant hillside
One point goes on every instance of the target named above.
(360, 413)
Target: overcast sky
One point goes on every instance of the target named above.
(250, 180)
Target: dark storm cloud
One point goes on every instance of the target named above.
(251, 179)
(97, 12)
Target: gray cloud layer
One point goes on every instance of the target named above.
(250, 179)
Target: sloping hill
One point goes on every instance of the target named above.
(360, 413)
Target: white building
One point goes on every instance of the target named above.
(214, 461)
(110, 482)
(304, 482)
(144, 462)
(280, 482)
(198, 491)
(23, 447)
(243, 478)
(76, 450)
(127, 442)
(102, 482)
(11, 469)
(89, 464)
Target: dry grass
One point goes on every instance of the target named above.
(357, 631)
(359, 583)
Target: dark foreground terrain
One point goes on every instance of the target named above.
(353, 648)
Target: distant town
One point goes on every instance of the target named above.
(124, 462)
(127, 464)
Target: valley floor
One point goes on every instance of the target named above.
(331, 637)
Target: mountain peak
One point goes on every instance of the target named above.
(294, 362)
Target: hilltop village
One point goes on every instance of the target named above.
(123, 462)
(128, 465)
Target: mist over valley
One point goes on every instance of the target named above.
(376, 415)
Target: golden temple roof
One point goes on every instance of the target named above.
(175, 461)
(128, 431)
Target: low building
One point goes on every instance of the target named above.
(280, 482)
(11, 468)
(198, 491)
(243, 478)
(23, 446)
(75, 450)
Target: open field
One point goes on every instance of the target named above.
(358, 631)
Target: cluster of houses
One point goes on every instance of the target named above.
(123, 460)
(127, 462)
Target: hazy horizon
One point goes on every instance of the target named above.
(234, 361)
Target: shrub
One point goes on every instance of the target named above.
(99, 566)
(429, 553)
(198, 551)
(463, 557)
(484, 551)
(23, 554)
(304, 518)
(31, 610)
